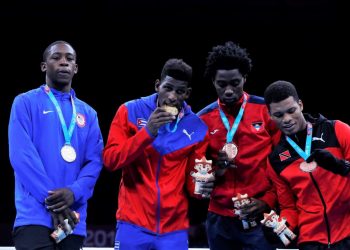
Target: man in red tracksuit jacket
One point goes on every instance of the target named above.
(241, 137)
(155, 150)
(310, 169)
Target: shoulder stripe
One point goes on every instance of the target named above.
(256, 99)
(208, 108)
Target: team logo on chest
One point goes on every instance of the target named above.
(81, 121)
(257, 126)
(284, 155)
(319, 138)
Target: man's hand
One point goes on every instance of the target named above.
(327, 161)
(223, 163)
(59, 200)
(158, 118)
(58, 219)
(207, 187)
(253, 209)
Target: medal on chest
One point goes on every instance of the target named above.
(68, 153)
(304, 166)
(231, 150)
(308, 166)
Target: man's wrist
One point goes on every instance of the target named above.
(346, 168)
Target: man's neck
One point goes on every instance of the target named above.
(60, 87)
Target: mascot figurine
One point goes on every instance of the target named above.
(279, 227)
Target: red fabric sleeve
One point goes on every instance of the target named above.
(125, 142)
(270, 197)
(285, 198)
(342, 131)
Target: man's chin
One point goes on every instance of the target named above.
(230, 102)
(63, 82)
(288, 132)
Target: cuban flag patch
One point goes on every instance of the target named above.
(141, 122)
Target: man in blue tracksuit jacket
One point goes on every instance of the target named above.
(55, 147)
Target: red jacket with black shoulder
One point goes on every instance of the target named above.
(317, 202)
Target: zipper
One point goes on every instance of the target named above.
(324, 210)
(158, 198)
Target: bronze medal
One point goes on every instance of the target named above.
(308, 167)
(231, 150)
(68, 153)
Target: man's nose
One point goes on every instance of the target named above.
(172, 96)
(229, 91)
(287, 118)
(63, 61)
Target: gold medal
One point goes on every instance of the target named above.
(231, 150)
(68, 153)
(308, 167)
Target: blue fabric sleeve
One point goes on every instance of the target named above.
(24, 157)
(84, 185)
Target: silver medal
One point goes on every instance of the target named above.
(231, 150)
(68, 153)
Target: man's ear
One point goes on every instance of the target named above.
(244, 79)
(43, 66)
(188, 93)
(301, 105)
(75, 68)
(156, 85)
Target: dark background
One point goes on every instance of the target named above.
(122, 46)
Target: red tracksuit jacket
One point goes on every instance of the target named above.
(254, 138)
(152, 191)
(317, 202)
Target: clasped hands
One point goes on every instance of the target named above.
(253, 209)
(58, 202)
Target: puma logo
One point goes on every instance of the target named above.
(214, 131)
(188, 135)
(47, 111)
(318, 138)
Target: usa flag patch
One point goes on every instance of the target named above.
(141, 122)
(284, 155)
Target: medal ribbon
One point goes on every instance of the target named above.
(231, 132)
(179, 116)
(67, 132)
(304, 154)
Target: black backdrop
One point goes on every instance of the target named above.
(122, 45)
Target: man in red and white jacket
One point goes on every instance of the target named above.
(156, 149)
(241, 137)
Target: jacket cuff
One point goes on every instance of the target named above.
(269, 198)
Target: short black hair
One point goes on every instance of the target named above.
(227, 56)
(48, 48)
(279, 91)
(177, 69)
